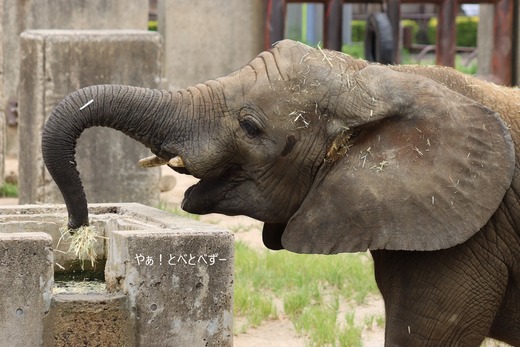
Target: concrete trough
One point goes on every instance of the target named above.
(159, 280)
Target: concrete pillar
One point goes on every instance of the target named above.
(179, 284)
(208, 39)
(57, 62)
(17, 16)
(25, 289)
(485, 38)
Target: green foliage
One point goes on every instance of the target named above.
(409, 23)
(356, 50)
(253, 305)
(470, 69)
(176, 210)
(350, 335)
(358, 30)
(359, 27)
(8, 190)
(319, 322)
(466, 31)
(310, 287)
(152, 25)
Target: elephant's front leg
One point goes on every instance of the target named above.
(442, 298)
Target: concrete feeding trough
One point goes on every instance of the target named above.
(159, 280)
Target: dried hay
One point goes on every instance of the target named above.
(82, 243)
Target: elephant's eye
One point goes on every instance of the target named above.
(251, 129)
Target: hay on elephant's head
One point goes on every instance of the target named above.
(82, 243)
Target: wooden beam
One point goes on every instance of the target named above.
(502, 55)
(275, 22)
(394, 14)
(446, 33)
(332, 30)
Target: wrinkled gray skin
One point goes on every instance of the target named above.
(416, 164)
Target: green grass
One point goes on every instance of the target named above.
(310, 288)
(8, 190)
(176, 210)
(318, 293)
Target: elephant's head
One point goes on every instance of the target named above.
(332, 153)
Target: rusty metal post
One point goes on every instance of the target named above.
(446, 33)
(332, 24)
(274, 22)
(502, 56)
(394, 14)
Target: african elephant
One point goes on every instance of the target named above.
(333, 154)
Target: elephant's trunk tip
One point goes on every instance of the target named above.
(78, 218)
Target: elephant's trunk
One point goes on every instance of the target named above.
(134, 111)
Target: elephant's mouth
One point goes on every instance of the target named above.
(205, 196)
(214, 194)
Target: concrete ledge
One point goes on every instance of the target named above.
(169, 280)
(177, 282)
(25, 286)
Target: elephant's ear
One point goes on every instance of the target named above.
(425, 169)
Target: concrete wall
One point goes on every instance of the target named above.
(208, 39)
(3, 136)
(169, 280)
(17, 16)
(25, 289)
(56, 63)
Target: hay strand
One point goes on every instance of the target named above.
(82, 243)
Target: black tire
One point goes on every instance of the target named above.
(379, 41)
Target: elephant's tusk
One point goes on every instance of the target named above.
(152, 161)
(155, 161)
(176, 162)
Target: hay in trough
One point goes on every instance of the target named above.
(82, 243)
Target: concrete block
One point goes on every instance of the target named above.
(25, 289)
(168, 281)
(19, 16)
(208, 39)
(58, 62)
(72, 317)
(180, 284)
(485, 39)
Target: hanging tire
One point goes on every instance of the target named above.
(379, 42)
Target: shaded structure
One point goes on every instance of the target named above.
(503, 28)
(159, 280)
